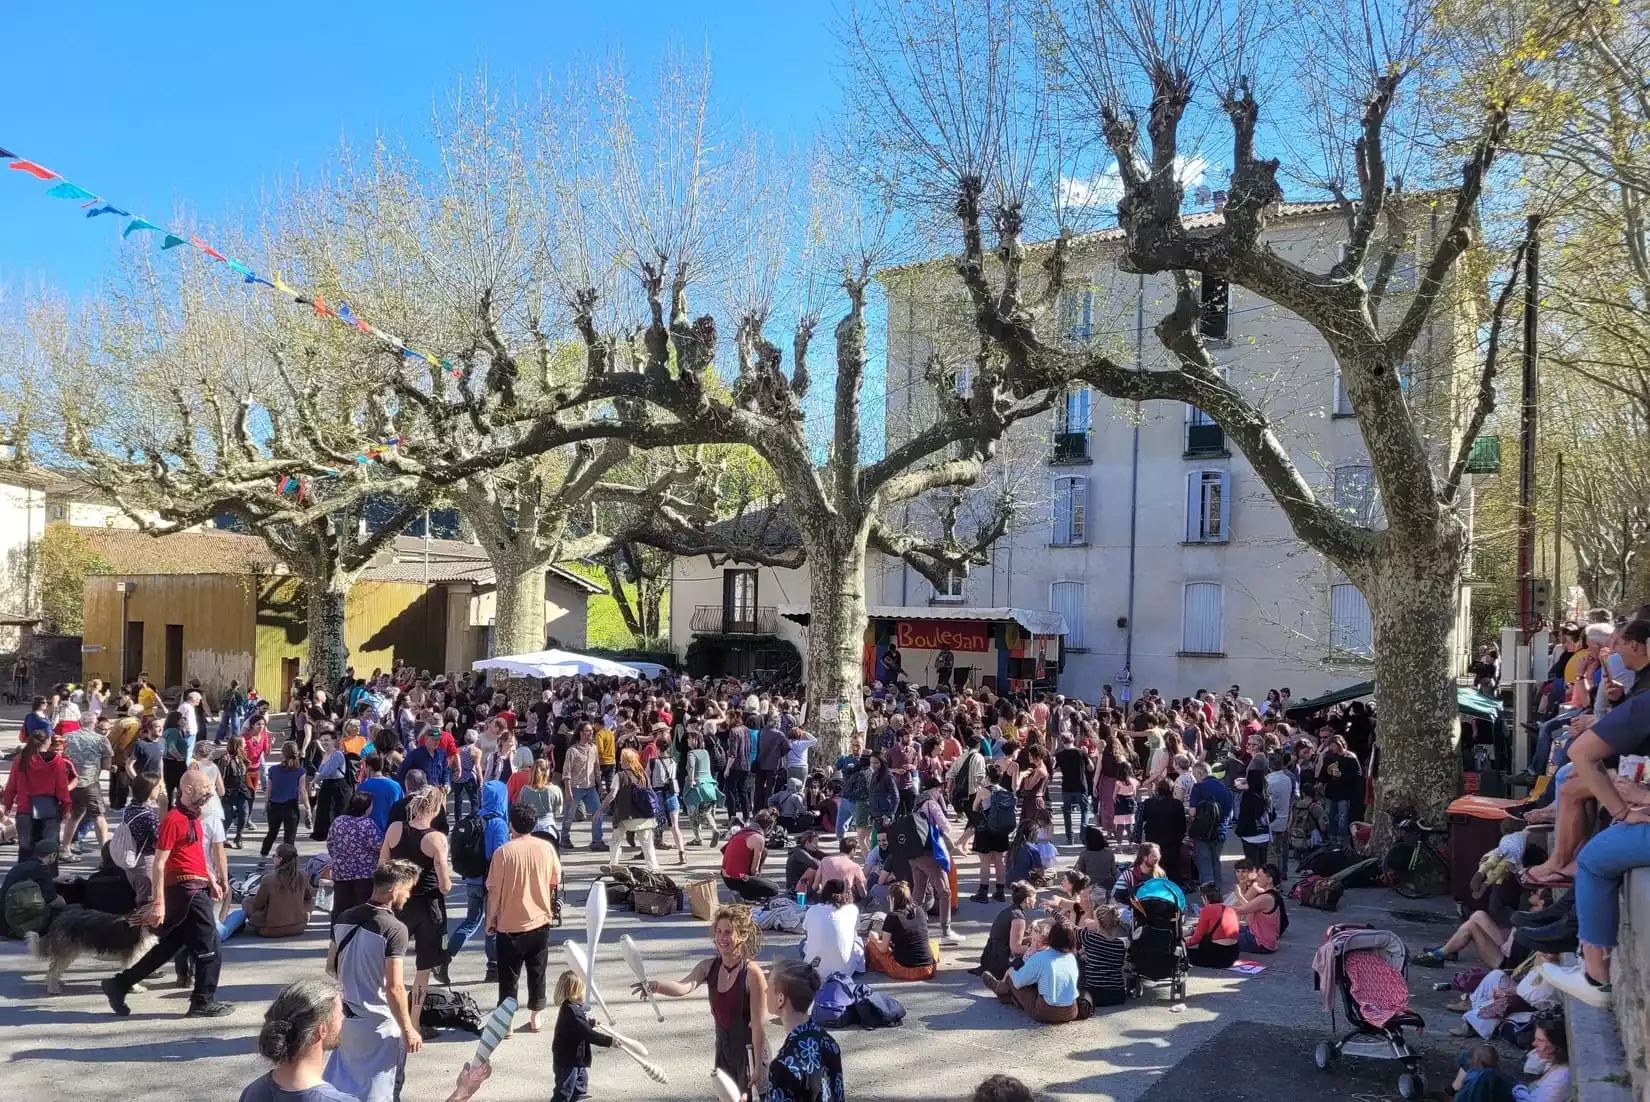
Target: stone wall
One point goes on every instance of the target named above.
(1630, 977)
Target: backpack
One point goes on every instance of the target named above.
(25, 909)
(469, 847)
(1000, 813)
(122, 850)
(875, 1010)
(960, 791)
(645, 803)
(908, 837)
(1205, 824)
(1323, 893)
(718, 754)
(857, 785)
(445, 1008)
(834, 1005)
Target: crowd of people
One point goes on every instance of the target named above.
(417, 785)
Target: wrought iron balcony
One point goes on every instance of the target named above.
(720, 620)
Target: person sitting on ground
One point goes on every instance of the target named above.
(1479, 1078)
(839, 866)
(792, 808)
(1006, 944)
(1214, 944)
(903, 950)
(830, 938)
(1144, 868)
(281, 905)
(1098, 861)
(1102, 951)
(1027, 860)
(742, 857)
(1046, 986)
(1492, 941)
(804, 858)
(1267, 917)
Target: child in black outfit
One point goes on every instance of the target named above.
(570, 1044)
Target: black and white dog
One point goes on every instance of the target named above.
(76, 931)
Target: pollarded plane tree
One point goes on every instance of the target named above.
(1142, 80)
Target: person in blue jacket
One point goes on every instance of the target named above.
(495, 809)
(1207, 850)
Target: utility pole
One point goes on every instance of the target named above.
(1527, 431)
(1558, 535)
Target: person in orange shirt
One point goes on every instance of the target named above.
(521, 891)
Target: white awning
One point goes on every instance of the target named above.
(556, 663)
(1035, 621)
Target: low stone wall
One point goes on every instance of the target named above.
(1630, 979)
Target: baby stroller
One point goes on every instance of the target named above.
(1368, 968)
(1157, 944)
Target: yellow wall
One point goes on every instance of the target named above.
(384, 622)
(214, 610)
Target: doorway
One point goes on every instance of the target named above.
(289, 677)
(131, 655)
(173, 671)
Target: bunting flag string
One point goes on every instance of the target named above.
(344, 314)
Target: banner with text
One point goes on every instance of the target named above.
(934, 634)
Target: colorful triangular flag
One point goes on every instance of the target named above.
(207, 249)
(66, 190)
(172, 241)
(253, 277)
(6, 154)
(33, 169)
(282, 287)
(139, 224)
(321, 310)
(108, 208)
(237, 266)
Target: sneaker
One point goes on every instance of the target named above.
(997, 895)
(947, 937)
(492, 974)
(596, 847)
(213, 1009)
(116, 994)
(439, 974)
(1459, 1006)
(981, 896)
(1431, 958)
(1574, 981)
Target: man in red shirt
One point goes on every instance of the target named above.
(184, 909)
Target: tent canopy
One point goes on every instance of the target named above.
(1468, 702)
(1034, 621)
(556, 663)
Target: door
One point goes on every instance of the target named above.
(173, 672)
(739, 602)
(131, 656)
(289, 674)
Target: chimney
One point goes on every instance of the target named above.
(1220, 201)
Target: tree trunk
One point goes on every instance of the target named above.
(1414, 591)
(328, 650)
(836, 633)
(518, 615)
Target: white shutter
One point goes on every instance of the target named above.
(1194, 505)
(1351, 631)
(1225, 506)
(1066, 598)
(1061, 513)
(1200, 618)
(1079, 510)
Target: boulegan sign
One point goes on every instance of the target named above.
(934, 634)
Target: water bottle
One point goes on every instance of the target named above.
(801, 899)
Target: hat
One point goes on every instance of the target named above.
(665, 727)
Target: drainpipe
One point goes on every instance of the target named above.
(1134, 470)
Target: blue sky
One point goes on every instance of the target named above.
(188, 107)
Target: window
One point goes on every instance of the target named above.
(1066, 598)
(1208, 507)
(60, 512)
(1216, 319)
(964, 380)
(1350, 628)
(1071, 525)
(739, 601)
(1402, 278)
(1343, 404)
(1200, 618)
(1077, 314)
(952, 588)
(1356, 494)
(1071, 426)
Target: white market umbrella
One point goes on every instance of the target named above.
(556, 663)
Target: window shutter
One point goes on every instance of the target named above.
(1351, 631)
(1194, 505)
(1062, 512)
(1082, 424)
(1200, 618)
(1066, 598)
(1079, 509)
(1225, 506)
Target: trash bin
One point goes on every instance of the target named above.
(1474, 824)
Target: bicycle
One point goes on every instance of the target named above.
(1416, 865)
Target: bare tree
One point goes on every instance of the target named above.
(1134, 77)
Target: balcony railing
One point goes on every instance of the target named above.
(1071, 447)
(719, 620)
(1204, 439)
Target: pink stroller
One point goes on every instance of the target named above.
(1367, 966)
